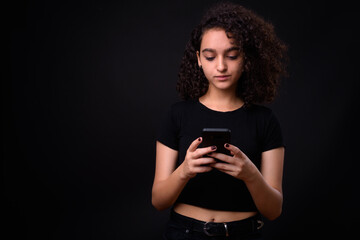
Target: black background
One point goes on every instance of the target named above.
(86, 82)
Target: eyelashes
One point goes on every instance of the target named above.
(230, 57)
(233, 57)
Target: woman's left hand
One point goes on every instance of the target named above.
(238, 165)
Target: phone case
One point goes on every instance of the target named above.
(217, 137)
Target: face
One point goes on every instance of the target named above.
(221, 60)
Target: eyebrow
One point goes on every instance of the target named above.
(227, 50)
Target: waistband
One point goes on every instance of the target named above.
(245, 226)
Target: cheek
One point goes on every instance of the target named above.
(239, 68)
(207, 72)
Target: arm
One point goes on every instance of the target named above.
(169, 181)
(265, 187)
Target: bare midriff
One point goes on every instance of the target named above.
(208, 215)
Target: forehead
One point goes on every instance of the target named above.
(216, 39)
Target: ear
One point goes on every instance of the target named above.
(198, 58)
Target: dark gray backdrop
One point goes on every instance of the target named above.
(87, 81)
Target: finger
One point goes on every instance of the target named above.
(193, 146)
(202, 169)
(204, 161)
(204, 151)
(223, 157)
(235, 150)
(224, 167)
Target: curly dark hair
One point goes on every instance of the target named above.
(265, 55)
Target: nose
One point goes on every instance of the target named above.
(221, 65)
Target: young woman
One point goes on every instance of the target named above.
(231, 65)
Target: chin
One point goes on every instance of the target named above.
(224, 85)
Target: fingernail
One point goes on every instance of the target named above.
(213, 147)
(227, 145)
(199, 138)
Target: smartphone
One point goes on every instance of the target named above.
(217, 137)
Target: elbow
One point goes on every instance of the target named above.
(272, 212)
(157, 203)
(274, 215)
(158, 206)
(275, 210)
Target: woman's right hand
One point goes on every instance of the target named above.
(196, 161)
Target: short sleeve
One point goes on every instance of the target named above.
(168, 129)
(273, 137)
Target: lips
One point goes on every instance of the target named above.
(222, 77)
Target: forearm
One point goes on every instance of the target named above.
(267, 199)
(165, 192)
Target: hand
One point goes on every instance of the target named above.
(238, 165)
(195, 162)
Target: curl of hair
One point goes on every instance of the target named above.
(264, 54)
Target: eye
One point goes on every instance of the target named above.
(209, 58)
(233, 57)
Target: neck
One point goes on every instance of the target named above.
(224, 100)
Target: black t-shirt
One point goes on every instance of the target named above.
(254, 130)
